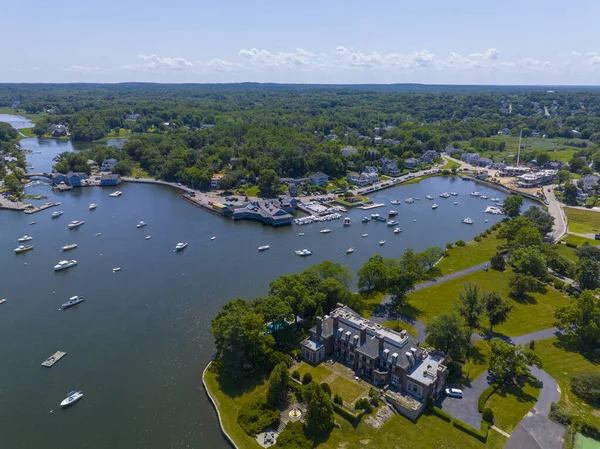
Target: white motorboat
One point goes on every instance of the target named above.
(392, 223)
(71, 398)
(73, 300)
(364, 235)
(429, 197)
(23, 248)
(2, 301)
(475, 194)
(485, 197)
(468, 221)
(392, 213)
(453, 193)
(148, 237)
(57, 214)
(303, 252)
(116, 194)
(325, 231)
(395, 202)
(69, 246)
(141, 224)
(25, 238)
(98, 234)
(434, 206)
(375, 216)
(75, 224)
(494, 210)
(180, 246)
(213, 238)
(397, 231)
(495, 199)
(349, 250)
(456, 203)
(116, 269)
(444, 195)
(92, 206)
(64, 264)
(300, 234)
(366, 219)
(409, 200)
(347, 221)
(263, 248)
(381, 242)
(32, 222)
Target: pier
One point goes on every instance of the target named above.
(33, 210)
(50, 361)
(371, 206)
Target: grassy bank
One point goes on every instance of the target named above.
(583, 221)
(473, 253)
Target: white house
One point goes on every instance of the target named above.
(108, 164)
(369, 178)
(353, 178)
(319, 179)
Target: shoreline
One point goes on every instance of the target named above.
(216, 407)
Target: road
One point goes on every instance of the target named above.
(555, 209)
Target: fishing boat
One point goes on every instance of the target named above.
(409, 200)
(75, 224)
(392, 213)
(116, 194)
(92, 206)
(25, 238)
(468, 221)
(69, 246)
(429, 197)
(303, 252)
(180, 246)
(73, 300)
(347, 221)
(148, 237)
(395, 202)
(64, 264)
(263, 248)
(381, 242)
(397, 231)
(349, 250)
(434, 206)
(366, 219)
(23, 248)
(475, 194)
(141, 224)
(392, 223)
(71, 398)
(325, 231)
(57, 214)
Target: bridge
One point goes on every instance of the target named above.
(38, 175)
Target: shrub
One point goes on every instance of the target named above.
(571, 245)
(337, 399)
(532, 345)
(460, 243)
(481, 435)
(558, 284)
(255, 416)
(293, 437)
(296, 375)
(488, 415)
(363, 404)
(497, 262)
(445, 253)
(449, 245)
(276, 357)
(560, 414)
(441, 414)
(306, 379)
(477, 238)
(586, 385)
(353, 418)
(326, 388)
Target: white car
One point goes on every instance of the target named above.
(454, 392)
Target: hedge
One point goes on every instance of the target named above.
(481, 435)
(353, 418)
(486, 395)
(441, 414)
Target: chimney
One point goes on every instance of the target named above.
(335, 321)
(363, 335)
(319, 326)
(381, 339)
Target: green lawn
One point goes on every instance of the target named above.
(583, 221)
(319, 373)
(122, 134)
(566, 252)
(450, 165)
(140, 172)
(561, 365)
(400, 326)
(511, 403)
(526, 317)
(252, 191)
(477, 362)
(348, 389)
(578, 240)
(28, 132)
(472, 253)
(555, 147)
(371, 301)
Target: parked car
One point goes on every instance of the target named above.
(597, 236)
(454, 392)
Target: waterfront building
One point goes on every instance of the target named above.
(470, 158)
(214, 182)
(485, 162)
(538, 178)
(411, 162)
(110, 180)
(108, 164)
(319, 179)
(368, 178)
(293, 189)
(76, 179)
(378, 354)
(57, 130)
(429, 157)
(58, 178)
(354, 178)
(514, 171)
(267, 212)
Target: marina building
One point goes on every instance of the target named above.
(538, 178)
(267, 212)
(110, 180)
(514, 171)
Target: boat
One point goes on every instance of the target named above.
(64, 264)
(116, 194)
(263, 248)
(409, 200)
(392, 213)
(392, 223)
(25, 238)
(444, 195)
(32, 222)
(92, 206)
(416, 199)
(325, 231)
(349, 250)
(382, 219)
(453, 193)
(381, 242)
(141, 224)
(74, 224)
(395, 202)
(467, 221)
(494, 210)
(71, 398)
(434, 206)
(22, 248)
(366, 219)
(375, 216)
(495, 199)
(347, 221)
(98, 234)
(364, 235)
(456, 203)
(2, 301)
(301, 234)
(116, 269)
(475, 194)
(69, 246)
(180, 246)
(213, 238)
(73, 300)
(485, 197)
(148, 237)
(57, 214)
(429, 197)
(303, 252)
(397, 231)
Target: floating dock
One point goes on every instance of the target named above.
(50, 361)
(33, 210)
(371, 206)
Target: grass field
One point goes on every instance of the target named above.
(583, 221)
(449, 165)
(527, 316)
(555, 147)
(561, 365)
(122, 134)
(319, 373)
(252, 191)
(477, 362)
(566, 252)
(472, 253)
(348, 389)
(371, 301)
(511, 403)
(578, 240)
(28, 132)
(400, 327)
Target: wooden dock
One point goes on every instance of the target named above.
(50, 361)
(35, 209)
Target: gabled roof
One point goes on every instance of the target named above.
(318, 175)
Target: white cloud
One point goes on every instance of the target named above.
(595, 60)
(80, 68)
(491, 53)
(154, 62)
(268, 60)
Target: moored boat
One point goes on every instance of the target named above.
(180, 246)
(73, 300)
(409, 200)
(434, 206)
(148, 237)
(75, 224)
(392, 223)
(141, 224)
(57, 213)
(347, 221)
(444, 195)
(92, 206)
(395, 202)
(32, 222)
(116, 194)
(69, 246)
(303, 252)
(366, 219)
(71, 398)
(381, 242)
(468, 221)
(23, 248)
(263, 248)
(453, 193)
(429, 197)
(475, 194)
(397, 231)
(364, 235)
(64, 264)
(25, 238)
(349, 250)
(392, 213)
(325, 231)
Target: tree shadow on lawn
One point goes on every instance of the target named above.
(516, 390)
(234, 387)
(570, 343)
(523, 299)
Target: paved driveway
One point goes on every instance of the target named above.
(465, 409)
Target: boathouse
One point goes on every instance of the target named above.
(110, 180)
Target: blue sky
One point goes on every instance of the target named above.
(328, 41)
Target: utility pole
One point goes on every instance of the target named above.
(519, 150)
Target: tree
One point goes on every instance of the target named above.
(522, 284)
(542, 158)
(372, 275)
(509, 362)
(588, 274)
(570, 193)
(529, 260)
(268, 183)
(510, 229)
(563, 177)
(400, 282)
(512, 205)
(495, 308)
(430, 256)
(447, 333)
(278, 385)
(540, 219)
(528, 236)
(586, 251)
(470, 306)
(123, 168)
(497, 262)
(292, 290)
(332, 270)
(580, 320)
(319, 409)
(586, 385)
(334, 292)
(576, 164)
(275, 311)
